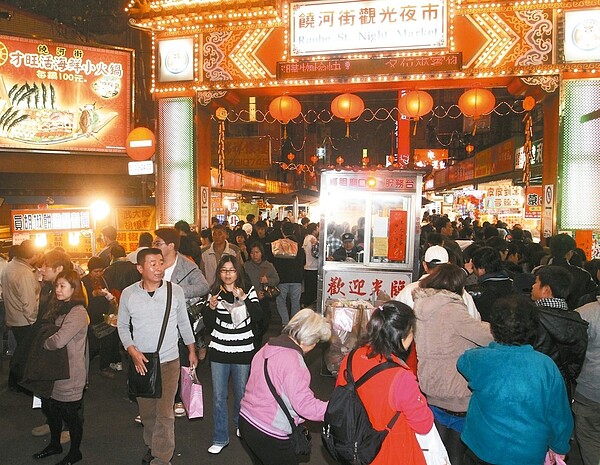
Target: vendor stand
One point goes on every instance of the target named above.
(380, 208)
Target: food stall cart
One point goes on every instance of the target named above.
(380, 209)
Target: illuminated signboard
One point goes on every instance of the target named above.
(380, 182)
(334, 27)
(582, 36)
(57, 96)
(363, 285)
(49, 220)
(437, 158)
(315, 69)
(176, 60)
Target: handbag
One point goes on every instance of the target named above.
(191, 393)
(271, 291)
(149, 385)
(102, 329)
(433, 448)
(300, 437)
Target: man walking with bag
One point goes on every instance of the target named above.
(143, 304)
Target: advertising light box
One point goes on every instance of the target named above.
(56, 96)
(582, 36)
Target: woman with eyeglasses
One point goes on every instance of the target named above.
(229, 315)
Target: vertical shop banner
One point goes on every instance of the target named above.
(548, 213)
(56, 96)
(397, 235)
(533, 201)
(131, 222)
(584, 240)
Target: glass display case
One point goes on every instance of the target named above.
(369, 233)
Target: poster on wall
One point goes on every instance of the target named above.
(56, 96)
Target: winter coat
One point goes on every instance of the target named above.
(72, 334)
(563, 337)
(444, 331)
(393, 390)
(290, 376)
(489, 288)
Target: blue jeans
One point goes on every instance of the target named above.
(220, 381)
(295, 291)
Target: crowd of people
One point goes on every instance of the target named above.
(505, 333)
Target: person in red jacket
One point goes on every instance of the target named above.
(390, 334)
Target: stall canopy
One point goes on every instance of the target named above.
(305, 196)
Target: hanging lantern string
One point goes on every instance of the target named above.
(221, 155)
(380, 114)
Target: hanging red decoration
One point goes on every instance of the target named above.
(528, 103)
(347, 107)
(414, 105)
(476, 102)
(284, 109)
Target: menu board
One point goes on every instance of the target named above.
(56, 96)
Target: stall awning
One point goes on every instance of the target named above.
(305, 196)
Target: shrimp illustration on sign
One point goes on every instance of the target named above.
(88, 120)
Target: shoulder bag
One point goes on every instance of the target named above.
(270, 292)
(300, 437)
(149, 385)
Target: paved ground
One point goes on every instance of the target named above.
(112, 437)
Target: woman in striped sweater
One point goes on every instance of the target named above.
(230, 314)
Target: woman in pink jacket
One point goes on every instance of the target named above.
(264, 428)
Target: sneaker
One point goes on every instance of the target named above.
(179, 409)
(41, 430)
(65, 437)
(138, 420)
(217, 448)
(237, 433)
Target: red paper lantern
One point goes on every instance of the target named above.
(347, 107)
(415, 104)
(476, 102)
(140, 144)
(285, 108)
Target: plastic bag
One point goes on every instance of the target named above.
(191, 393)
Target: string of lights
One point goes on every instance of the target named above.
(380, 114)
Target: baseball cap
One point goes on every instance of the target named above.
(436, 254)
(347, 237)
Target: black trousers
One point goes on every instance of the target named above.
(454, 445)
(72, 414)
(310, 287)
(21, 334)
(261, 327)
(264, 449)
(471, 459)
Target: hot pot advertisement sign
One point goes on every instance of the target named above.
(57, 96)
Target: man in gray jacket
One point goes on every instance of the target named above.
(178, 268)
(143, 305)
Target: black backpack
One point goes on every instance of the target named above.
(348, 434)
